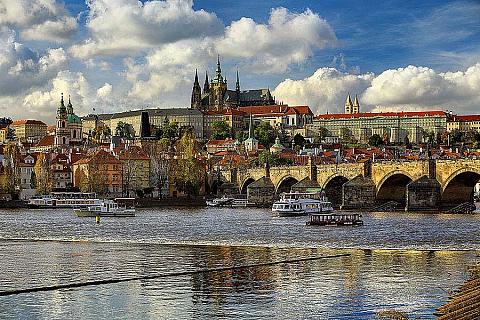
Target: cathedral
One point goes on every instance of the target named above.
(217, 97)
(68, 129)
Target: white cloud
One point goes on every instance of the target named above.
(119, 27)
(38, 19)
(410, 88)
(425, 88)
(21, 68)
(323, 91)
(105, 91)
(287, 38)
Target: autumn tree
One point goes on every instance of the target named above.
(43, 174)
(188, 172)
(159, 163)
(12, 169)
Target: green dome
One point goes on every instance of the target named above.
(73, 118)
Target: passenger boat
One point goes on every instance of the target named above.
(64, 200)
(225, 201)
(302, 203)
(107, 208)
(335, 219)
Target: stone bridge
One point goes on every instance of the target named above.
(419, 185)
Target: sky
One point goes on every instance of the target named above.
(117, 55)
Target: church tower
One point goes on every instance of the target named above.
(237, 90)
(196, 101)
(62, 133)
(348, 105)
(218, 88)
(206, 85)
(356, 105)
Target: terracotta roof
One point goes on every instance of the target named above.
(220, 142)
(381, 114)
(133, 153)
(100, 155)
(467, 118)
(46, 141)
(27, 121)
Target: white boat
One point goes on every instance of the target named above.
(107, 208)
(64, 200)
(227, 202)
(302, 203)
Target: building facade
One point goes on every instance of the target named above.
(464, 123)
(29, 130)
(392, 126)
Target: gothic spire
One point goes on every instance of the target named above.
(348, 101)
(237, 85)
(69, 106)
(61, 107)
(206, 85)
(218, 73)
(355, 103)
(196, 77)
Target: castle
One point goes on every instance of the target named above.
(217, 97)
(68, 129)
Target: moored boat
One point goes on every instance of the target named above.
(335, 219)
(107, 208)
(302, 203)
(64, 200)
(225, 201)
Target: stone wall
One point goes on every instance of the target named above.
(358, 193)
(423, 194)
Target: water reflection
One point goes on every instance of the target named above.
(369, 280)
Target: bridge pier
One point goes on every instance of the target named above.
(358, 193)
(423, 194)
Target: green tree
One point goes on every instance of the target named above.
(429, 137)
(170, 130)
(265, 134)
(124, 130)
(272, 158)
(456, 136)
(375, 140)
(220, 130)
(320, 135)
(299, 140)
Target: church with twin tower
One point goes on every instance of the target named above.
(217, 97)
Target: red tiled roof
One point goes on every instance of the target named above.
(28, 121)
(382, 114)
(467, 118)
(220, 142)
(46, 141)
(102, 156)
(132, 153)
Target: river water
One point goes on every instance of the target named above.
(401, 261)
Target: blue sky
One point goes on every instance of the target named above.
(118, 55)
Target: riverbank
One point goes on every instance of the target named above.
(13, 204)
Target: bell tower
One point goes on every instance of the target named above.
(62, 133)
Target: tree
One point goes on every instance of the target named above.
(159, 163)
(408, 145)
(265, 134)
(170, 130)
(375, 140)
(429, 137)
(320, 135)
(456, 136)
(43, 174)
(272, 158)
(124, 130)
(188, 172)
(346, 135)
(299, 140)
(220, 130)
(12, 169)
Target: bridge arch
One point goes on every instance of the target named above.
(285, 184)
(459, 187)
(393, 187)
(333, 188)
(245, 184)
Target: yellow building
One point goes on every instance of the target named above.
(29, 130)
(464, 123)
